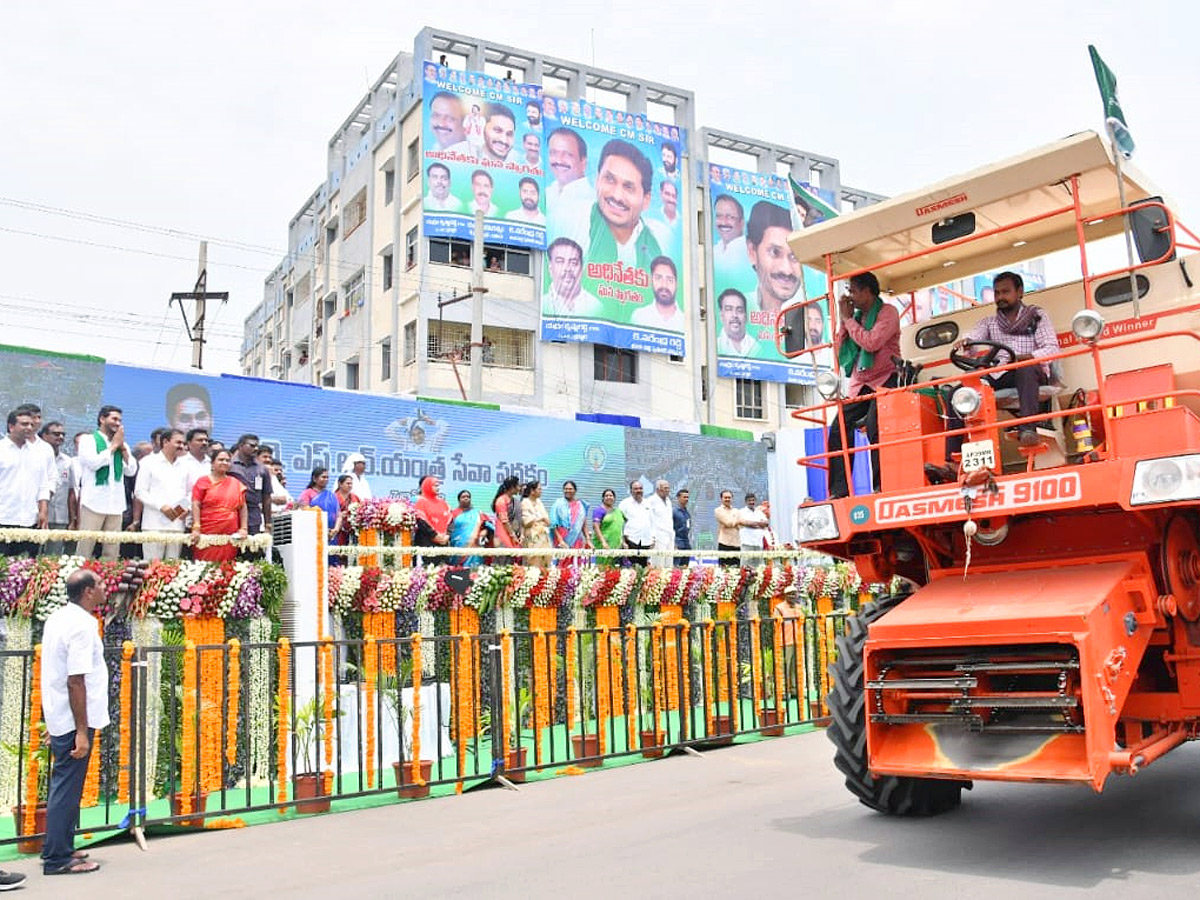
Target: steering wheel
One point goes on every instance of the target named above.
(984, 358)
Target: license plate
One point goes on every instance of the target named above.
(978, 455)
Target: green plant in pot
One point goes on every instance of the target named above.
(391, 688)
(309, 732)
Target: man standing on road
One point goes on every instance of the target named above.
(74, 705)
(105, 461)
(639, 529)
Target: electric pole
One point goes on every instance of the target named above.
(201, 294)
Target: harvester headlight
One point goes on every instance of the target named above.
(1166, 480)
(816, 523)
(966, 401)
(1087, 324)
(828, 384)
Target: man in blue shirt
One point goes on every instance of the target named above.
(682, 519)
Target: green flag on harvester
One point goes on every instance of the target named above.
(811, 208)
(1114, 119)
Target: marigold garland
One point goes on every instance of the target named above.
(415, 762)
(321, 586)
(370, 675)
(826, 647)
(465, 718)
(124, 750)
(35, 743)
(187, 740)
(506, 666)
(736, 701)
(670, 615)
(800, 636)
(608, 667)
(657, 644)
(685, 713)
(234, 700)
(757, 675)
(281, 737)
(541, 621)
(706, 661)
(781, 688)
(572, 695)
(327, 701)
(368, 537)
(382, 625)
(631, 679)
(90, 796)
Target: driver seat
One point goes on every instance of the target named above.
(1006, 398)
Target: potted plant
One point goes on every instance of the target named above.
(583, 744)
(515, 756)
(309, 781)
(391, 688)
(43, 755)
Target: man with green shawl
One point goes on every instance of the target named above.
(105, 461)
(867, 340)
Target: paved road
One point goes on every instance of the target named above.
(737, 822)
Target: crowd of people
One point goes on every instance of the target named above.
(187, 483)
(175, 482)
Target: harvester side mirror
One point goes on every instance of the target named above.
(1151, 233)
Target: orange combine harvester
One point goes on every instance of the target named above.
(1052, 629)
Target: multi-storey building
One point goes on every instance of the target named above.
(365, 300)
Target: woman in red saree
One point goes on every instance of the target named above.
(218, 507)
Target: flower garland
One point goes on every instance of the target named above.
(572, 687)
(656, 672)
(506, 667)
(35, 743)
(685, 636)
(370, 678)
(281, 731)
(124, 742)
(258, 701)
(187, 742)
(12, 711)
(631, 680)
(327, 687)
(757, 675)
(669, 618)
(464, 696)
(780, 692)
(234, 700)
(706, 661)
(43, 536)
(415, 763)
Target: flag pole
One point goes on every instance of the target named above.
(1133, 291)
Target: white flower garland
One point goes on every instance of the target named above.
(259, 702)
(42, 536)
(19, 630)
(146, 631)
(426, 624)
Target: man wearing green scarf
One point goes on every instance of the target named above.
(867, 340)
(616, 230)
(105, 462)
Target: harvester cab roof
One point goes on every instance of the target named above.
(1052, 631)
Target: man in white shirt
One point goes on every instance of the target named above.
(40, 447)
(662, 519)
(74, 706)
(753, 522)
(569, 195)
(733, 339)
(481, 189)
(439, 198)
(566, 296)
(730, 220)
(24, 486)
(664, 313)
(162, 488)
(105, 461)
(356, 467)
(528, 210)
(64, 504)
(639, 527)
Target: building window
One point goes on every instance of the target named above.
(389, 186)
(508, 347)
(331, 233)
(414, 159)
(612, 364)
(450, 252)
(328, 379)
(355, 213)
(385, 360)
(387, 271)
(352, 376)
(354, 291)
(410, 343)
(290, 299)
(410, 249)
(330, 305)
(704, 383)
(749, 403)
(796, 396)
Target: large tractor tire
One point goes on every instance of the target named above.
(888, 794)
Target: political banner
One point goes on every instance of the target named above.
(482, 143)
(756, 275)
(614, 240)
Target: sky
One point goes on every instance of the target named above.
(136, 128)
